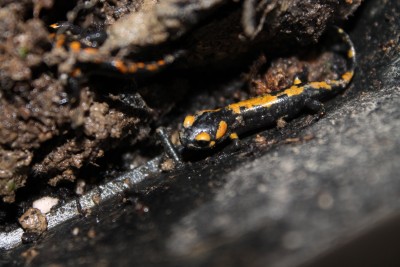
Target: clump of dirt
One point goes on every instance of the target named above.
(33, 221)
(41, 132)
(282, 71)
(29, 103)
(49, 132)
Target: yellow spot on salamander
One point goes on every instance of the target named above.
(120, 66)
(76, 72)
(203, 136)
(90, 50)
(297, 81)
(140, 65)
(132, 67)
(54, 25)
(152, 67)
(212, 143)
(75, 46)
(60, 40)
(161, 62)
(319, 85)
(350, 53)
(222, 127)
(188, 121)
(265, 101)
(293, 90)
(347, 76)
(206, 111)
(233, 136)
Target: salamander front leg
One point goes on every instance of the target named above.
(235, 139)
(169, 148)
(316, 106)
(74, 90)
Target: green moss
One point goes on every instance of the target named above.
(23, 52)
(10, 186)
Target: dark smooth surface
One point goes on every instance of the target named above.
(307, 203)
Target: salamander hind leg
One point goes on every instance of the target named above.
(317, 107)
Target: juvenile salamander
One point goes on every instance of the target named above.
(207, 128)
(83, 48)
(89, 56)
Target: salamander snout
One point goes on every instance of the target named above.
(195, 139)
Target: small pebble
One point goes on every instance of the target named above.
(45, 204)
(33, 221)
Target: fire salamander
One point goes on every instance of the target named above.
(85, 46)
(208, 128)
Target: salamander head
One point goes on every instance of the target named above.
(203, 130)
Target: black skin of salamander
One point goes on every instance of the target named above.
(258, 116)
(94, 38)
(252, 118)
